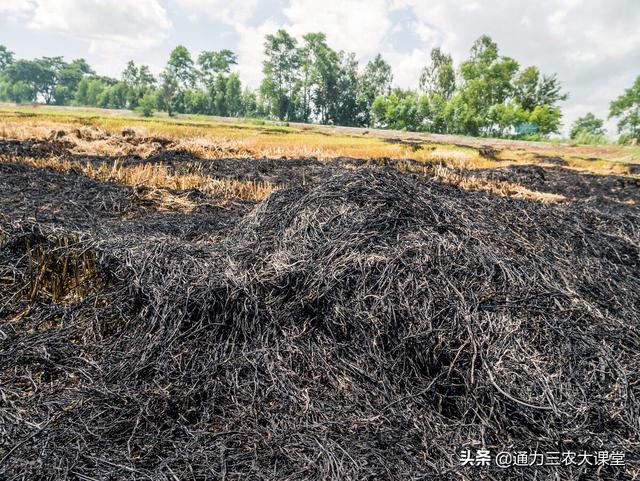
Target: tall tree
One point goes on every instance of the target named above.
(325, 68)
(249, 103)
(139, 81)
(213, 63)
(130, 74)
(627, 109)
(532, 89)
(439, 77)
(168, 89)
(35, 78)
(181, 64)
(220, 99)
(374, 81)
(305, 56)
(6, 57)
(487, 81)
(68, 78)
(279, 68)
(346, 108)
(233, 95)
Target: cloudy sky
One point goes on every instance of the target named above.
(593, 45)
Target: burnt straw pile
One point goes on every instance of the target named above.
(367, 327)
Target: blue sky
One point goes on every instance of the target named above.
(593, 45)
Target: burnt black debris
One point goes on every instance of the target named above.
(368, 326)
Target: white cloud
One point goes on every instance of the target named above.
(113, 29)
(359, 26)
(235, 13)
(250, 51)
(15, 6)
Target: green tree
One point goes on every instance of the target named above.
(130, 74)
(6, 57)
(589, 124)
(279, 68)
(18, 92)
(212, 63)
(139, 81)
(168, 90)
(546, 118)
(374, 81)
(114, 96)
(439, 77)
(532, 89)
(196, 101)
(181, 64)
(53, 67)
(504, 118)
(346, 109)
(88, 91)
(68, 78)
(401, 109)
(249, 103)
(233, 95)
(34, 76)
(148, 103)
(627, 109)
(220, 99)
(487, 80)
(305, 74)
(325, 70)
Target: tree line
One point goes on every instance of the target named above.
(488, 94)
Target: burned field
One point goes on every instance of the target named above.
(252, 318)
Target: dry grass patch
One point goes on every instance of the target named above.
(158, 176)
(61, 271)
(103, 136)
(498, 187)
(209, 138)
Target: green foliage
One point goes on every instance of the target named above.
(168, 90)
(89, 90)
(233, 95)
(113, 96)
(68, 78)
(6, 57)
(249, 103)
(139, 82)
(547, 119)
(531, 89)
(627, 109)
(488, 95)
(148, 103)
(587, 124)
(402, 110)
(439, 77)
(584, 137)
(18, 92)
(278, 88)
(375, 81)
(48, 78)
(34, 74)
(345, 107)
(181, 66)
(212, 63)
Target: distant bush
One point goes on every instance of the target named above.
(627, 139)
(589, 138)
(147, 104)
(585, 125)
